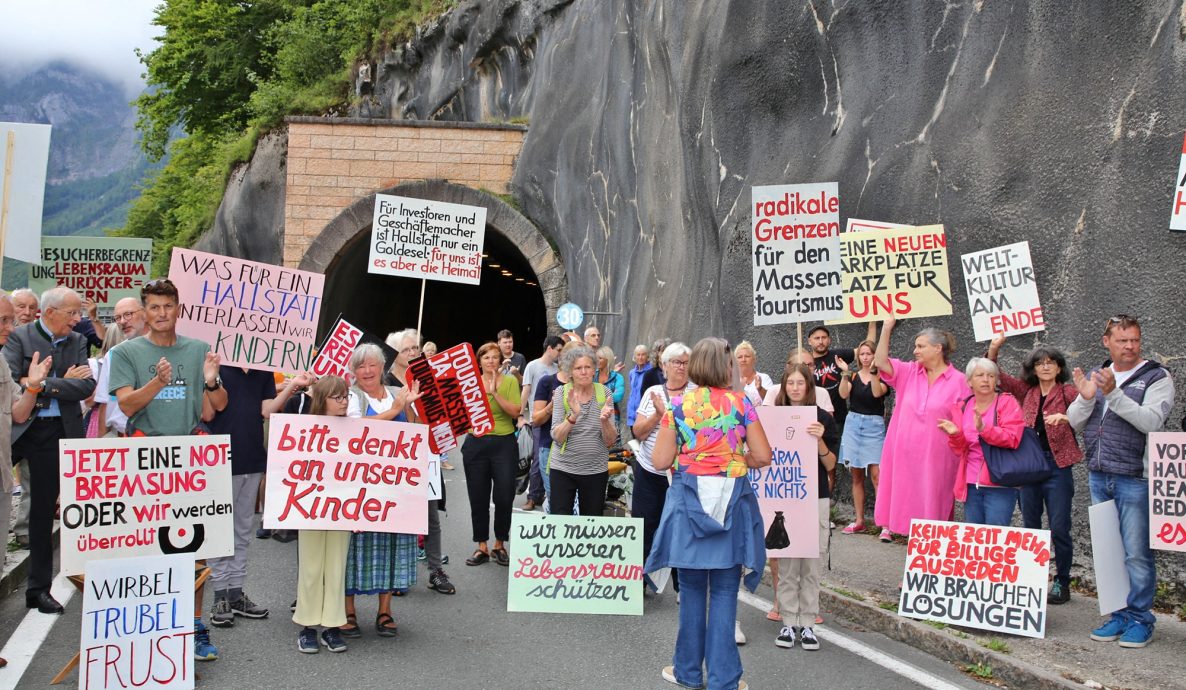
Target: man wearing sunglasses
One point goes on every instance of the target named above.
(167, 385)
(1119, 404)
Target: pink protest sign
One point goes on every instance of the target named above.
(343, 473)
(254, 315)
(1167, 491)
(788, 487)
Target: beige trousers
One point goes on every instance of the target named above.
(798, 579)
(321, 578)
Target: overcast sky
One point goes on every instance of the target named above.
(99, 34)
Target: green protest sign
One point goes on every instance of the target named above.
(105, 269)
(574, 564)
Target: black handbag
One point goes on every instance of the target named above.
(777, 537)
(1025, 464)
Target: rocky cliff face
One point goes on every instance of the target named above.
(1004, 121)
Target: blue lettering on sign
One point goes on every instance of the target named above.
(569, 316)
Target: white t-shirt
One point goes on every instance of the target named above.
(822, 399)
(1121, 377)
(536, 370)
(116, 419)
(751, 389)
(646, 408)
(355, 407)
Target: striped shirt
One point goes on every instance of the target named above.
(584, 451)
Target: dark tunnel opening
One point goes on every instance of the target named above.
(507, 297)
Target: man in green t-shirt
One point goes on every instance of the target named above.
(166, 384)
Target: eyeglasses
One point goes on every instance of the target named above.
(126, 316)
(72, 313)
(414, 348)
(679, 362)
(1120, 321)
(340, 398)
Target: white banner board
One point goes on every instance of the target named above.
(433, 240)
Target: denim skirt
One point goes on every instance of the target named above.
(864, 435)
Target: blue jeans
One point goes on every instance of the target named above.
(990, 505)
(535, 482)
(1132, 502)
(707, 612)
(543, 472)
(1054, 496)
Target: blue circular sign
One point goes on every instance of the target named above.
(569, 316)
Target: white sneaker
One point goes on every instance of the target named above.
(808, 639)
(786, 638)
(738, 636)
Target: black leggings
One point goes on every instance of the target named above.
(566, 487)
(490, 464)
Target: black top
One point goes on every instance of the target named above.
(861, 400)
(827, 376)
(1040, 424)
(832, 441)
(542, 391)
(653, 377)
(243, 417)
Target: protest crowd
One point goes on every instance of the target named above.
(682, 420)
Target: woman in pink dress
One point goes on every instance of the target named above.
(918, 467)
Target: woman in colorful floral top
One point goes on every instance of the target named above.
(711, 526)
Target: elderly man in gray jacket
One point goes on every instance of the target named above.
(58, 415)
(15, 405)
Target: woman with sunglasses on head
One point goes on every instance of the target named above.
(1045, 392)
(321, 554)
(864, 430)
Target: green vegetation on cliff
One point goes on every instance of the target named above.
(225, 72)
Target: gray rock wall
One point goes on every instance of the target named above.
(649, 122)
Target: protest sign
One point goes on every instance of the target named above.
(452, 398)
(573, 564)
(1167, 491)
(137, 624)
(788, 487)
(1178, 213)
(1002, 292)
(1107, 553)
(979, 576)
(855, 225)
(145, 496)
(254, 315)
(796, 253)
(333, 356)
(346, 473)
(25, 148)
(900, 270)
(433, 240)
(105, 269)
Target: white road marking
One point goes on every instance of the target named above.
(27, 638)
(910, 671)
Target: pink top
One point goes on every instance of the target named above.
(918, 467)
(1005, 432)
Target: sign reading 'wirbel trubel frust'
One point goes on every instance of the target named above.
(433, 240)
(796, 253)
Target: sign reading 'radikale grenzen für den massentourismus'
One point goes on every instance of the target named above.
(433, 240)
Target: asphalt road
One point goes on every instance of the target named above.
(469, 640)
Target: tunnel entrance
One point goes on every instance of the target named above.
(522, 279)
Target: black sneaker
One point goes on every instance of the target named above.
(439, 581)
(786, 638)
(247, 608)
(808, 639)
(331, 639)
(221, 616)
(307, 641)
(1059, 593)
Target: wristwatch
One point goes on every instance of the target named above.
(217, 384)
